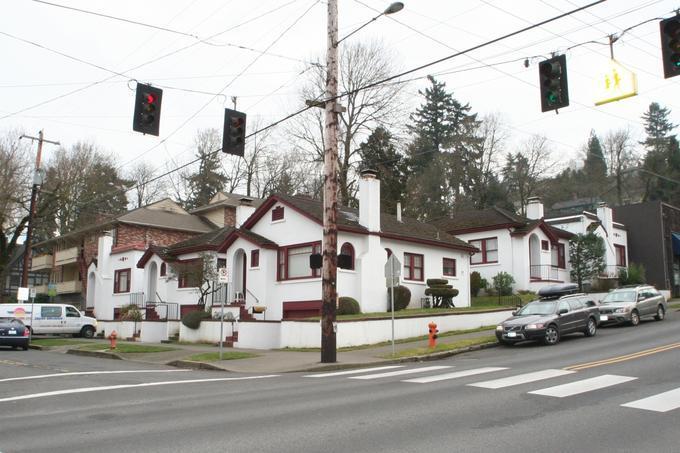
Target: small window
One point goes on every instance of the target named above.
(449, 267)
(50, 312)
(277, 213)
(255, 258)
(121, 281)
(348, 249)
(545, 245)
(72, 312)
(620, 255)
(413, 266)
(164, 270)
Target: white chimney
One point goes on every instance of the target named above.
(369, 200)
(398, 211)
(534, 208)
(604, 213)
(244, 210)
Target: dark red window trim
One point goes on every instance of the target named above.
(255, 258)
(164, 269)
(545, 245)
(620, 255)
(184, 280)
(277, 213)
(282, 261)
(483, 250)
(410, 267)
(116, 280)
(348, 249)
(451, 265)
(561, 256)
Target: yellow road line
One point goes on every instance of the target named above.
(623, 358)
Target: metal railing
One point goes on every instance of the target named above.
(544, 272)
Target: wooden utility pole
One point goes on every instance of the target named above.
(329, 270)
(37, 182)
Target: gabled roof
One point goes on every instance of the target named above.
(162, 253)
(205, 241)
(407, 229)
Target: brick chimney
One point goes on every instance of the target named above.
(369, 200)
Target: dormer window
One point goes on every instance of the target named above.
(277, 213)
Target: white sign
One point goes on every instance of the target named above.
(223, 275)
(615, 83)
(392, 267)
(32, 292)
(22, 294)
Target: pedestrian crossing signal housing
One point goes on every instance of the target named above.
(670, 46)
(234, 135)
(147, 116)
(552, 75)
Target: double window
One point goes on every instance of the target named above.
(413, 266)
(293, 261)
(488, 251)
(121, 281)
(449, 267)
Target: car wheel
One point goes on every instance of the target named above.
(87, 332)
(660, 313)
(25, 347)
(634, 318)
(552, 335)
(591, 328)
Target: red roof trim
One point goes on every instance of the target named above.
(500, 226)
(231, 238)
(426, 242)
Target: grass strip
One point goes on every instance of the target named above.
(441, 347)
(57, 341)
(215, 356)
(127, 348)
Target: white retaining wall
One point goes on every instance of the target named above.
(208, 331)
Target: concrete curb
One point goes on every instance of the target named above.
(100, 354)
(190, 364)
(37, 347)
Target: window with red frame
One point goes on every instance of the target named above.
(449, 267)
(255, 258)
(189, 274)
(348, 249)
(413, 266)
(164, 270)
(293, 261)
(277, 213)
(561, 257)
(488, 251)
(121, 281)
(620, 255)
(545, 245)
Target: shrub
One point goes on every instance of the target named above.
(193, 319)
(348, 306)
(502, 283)
(130, 312)
(402, 297)
(477, 283)
(634, 275)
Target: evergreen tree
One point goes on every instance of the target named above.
(595, 165)
(209, 179)
(379, 153)
(660, 163)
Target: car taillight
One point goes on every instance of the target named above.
(27, 332)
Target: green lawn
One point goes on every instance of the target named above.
(57, 341)
(226, 355)
(441, 347)
(126, 347)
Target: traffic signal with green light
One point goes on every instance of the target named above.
(234, 135)
(553, 81)
(670, 46)
(147, 117)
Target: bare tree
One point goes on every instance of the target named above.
(146, 189)
(361, 64)
(619, 150)
(486, 165)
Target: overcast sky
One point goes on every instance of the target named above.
(43, 86)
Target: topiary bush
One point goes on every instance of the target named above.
(442, 293)
(193, 319)
(477, 283)
(402, 297)
(348, 306)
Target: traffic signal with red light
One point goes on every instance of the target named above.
(670, 46)
(234, 136)
(552, 75)
(147, 117)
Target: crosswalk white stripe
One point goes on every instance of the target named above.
(521, 379)
(401, 372)
(357, 371)
(663, 402)
(454, 375)
(583, 386)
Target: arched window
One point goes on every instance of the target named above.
(348, 249)
(163, 270)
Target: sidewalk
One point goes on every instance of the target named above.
(282, 361)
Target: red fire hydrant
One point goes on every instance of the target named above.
(112, 338)
(432, 334)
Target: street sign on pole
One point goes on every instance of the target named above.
(223, 275)
(392, 273)
(22, 294)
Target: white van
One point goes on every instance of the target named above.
(51, 318)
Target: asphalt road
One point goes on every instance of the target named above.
(583, 395)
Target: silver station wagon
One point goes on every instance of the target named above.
(629, 304)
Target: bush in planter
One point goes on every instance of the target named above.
(442, 293)
(348, 306)
(477, 283)
(402, 297)
(193, 319)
